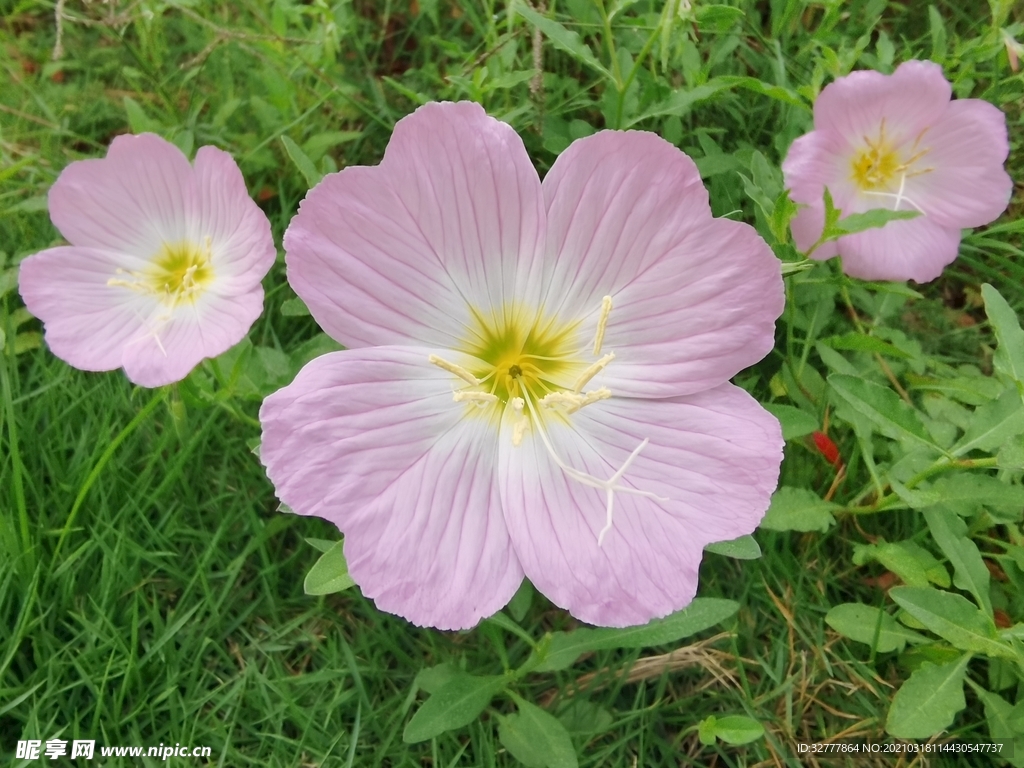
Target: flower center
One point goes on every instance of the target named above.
(875, 166)
(881, 168)
(532, 370)
(179, 273)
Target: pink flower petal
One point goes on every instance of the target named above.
(449, 222)
(715, 456)
(371, 440)
(966, 150)
(132, 201)
(694, 298)
(913, 249)
(910, 100)
(239, 231)
(87, 322)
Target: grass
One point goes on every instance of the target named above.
(153, 594)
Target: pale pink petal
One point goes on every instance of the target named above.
(966, 186)
(371, 440)
(449, 223)
(715, 456)
(912, 249)
(241, 243)
(910, 100)
(134, 200)
(87, 322)
(170, 342)
(694, 298)
(812, 163)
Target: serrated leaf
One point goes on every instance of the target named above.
(743, 548)
(965, 493)
(969, 571)
(563, 39)
(858, 622)
(455, 704)
(993, 425)
(702, 613)
(798, 509)
(302, 162)
(893, 417)
(927, 703)
(953, 618)
(873, 219)
(999, 715)
(536, 738)
(433, 679)
(329, 574)
(795, 423)
(859, 342)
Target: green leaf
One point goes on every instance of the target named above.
(743, 548)
(521, 601)
(569, 42)
(732, 729)
(928, 701)
(953, 618)
(433, 679)
(965, 493)
(1009, 357)
(969, 571)
(329, 574)
(456, 703)
(702, 613)
(914, 565)
(999, 715)
(138, 120)
(859, 342)
(706, 730)
(27, 341)
(795, 423)
(8, 280)
(294, 307)
(993, 425)
(782, 214)
(777, 92)
(893, 417)
(798, 509)
(859, 622)
(302, 162)
(536, 738)
(320, 544)
(873, 219)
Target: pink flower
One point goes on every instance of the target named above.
(898, 142)
(538, 379)
(164, 265)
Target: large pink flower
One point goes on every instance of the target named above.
(898, 142)
(164, 265)
(539, 376)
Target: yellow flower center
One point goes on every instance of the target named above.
(881, 168)
(179, 272)
(875, 166)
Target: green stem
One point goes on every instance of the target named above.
(892, 500)
(16, 465)
(132, 425)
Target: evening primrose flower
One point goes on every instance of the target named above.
(898, 142)
(537, 374)
(164, 265)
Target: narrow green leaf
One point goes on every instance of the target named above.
(993, 425)
(859, 342)
(563, 39)
(702, 613)
(294, 307)
(965, 493)
(138, 120)
(320, 544)
(873, 219)
(858, 622)
(953, 618)
(927, 703)
(969, 571)
(456, 703)
(795, 423)
(893, 417)
(433, 679)
(302, 162)
(743, 548)
(536, 738)
(329, 573)
(798, 509)
(8, 280)
(915, 565)
(1009, 357)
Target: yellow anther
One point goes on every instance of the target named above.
(480, 399)
(591, 372)
(561, 399)
(458, 370)
(589, 398)
(602, 323)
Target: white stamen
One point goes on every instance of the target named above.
(591, 372)
(899, 197)
(480, 399)
(572, 402)
(611, 484)
(602, 323)
(458, 370)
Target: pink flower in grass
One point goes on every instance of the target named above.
(537, 379)
(164, 265)
(898, 142)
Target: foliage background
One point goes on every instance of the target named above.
(150, 592)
